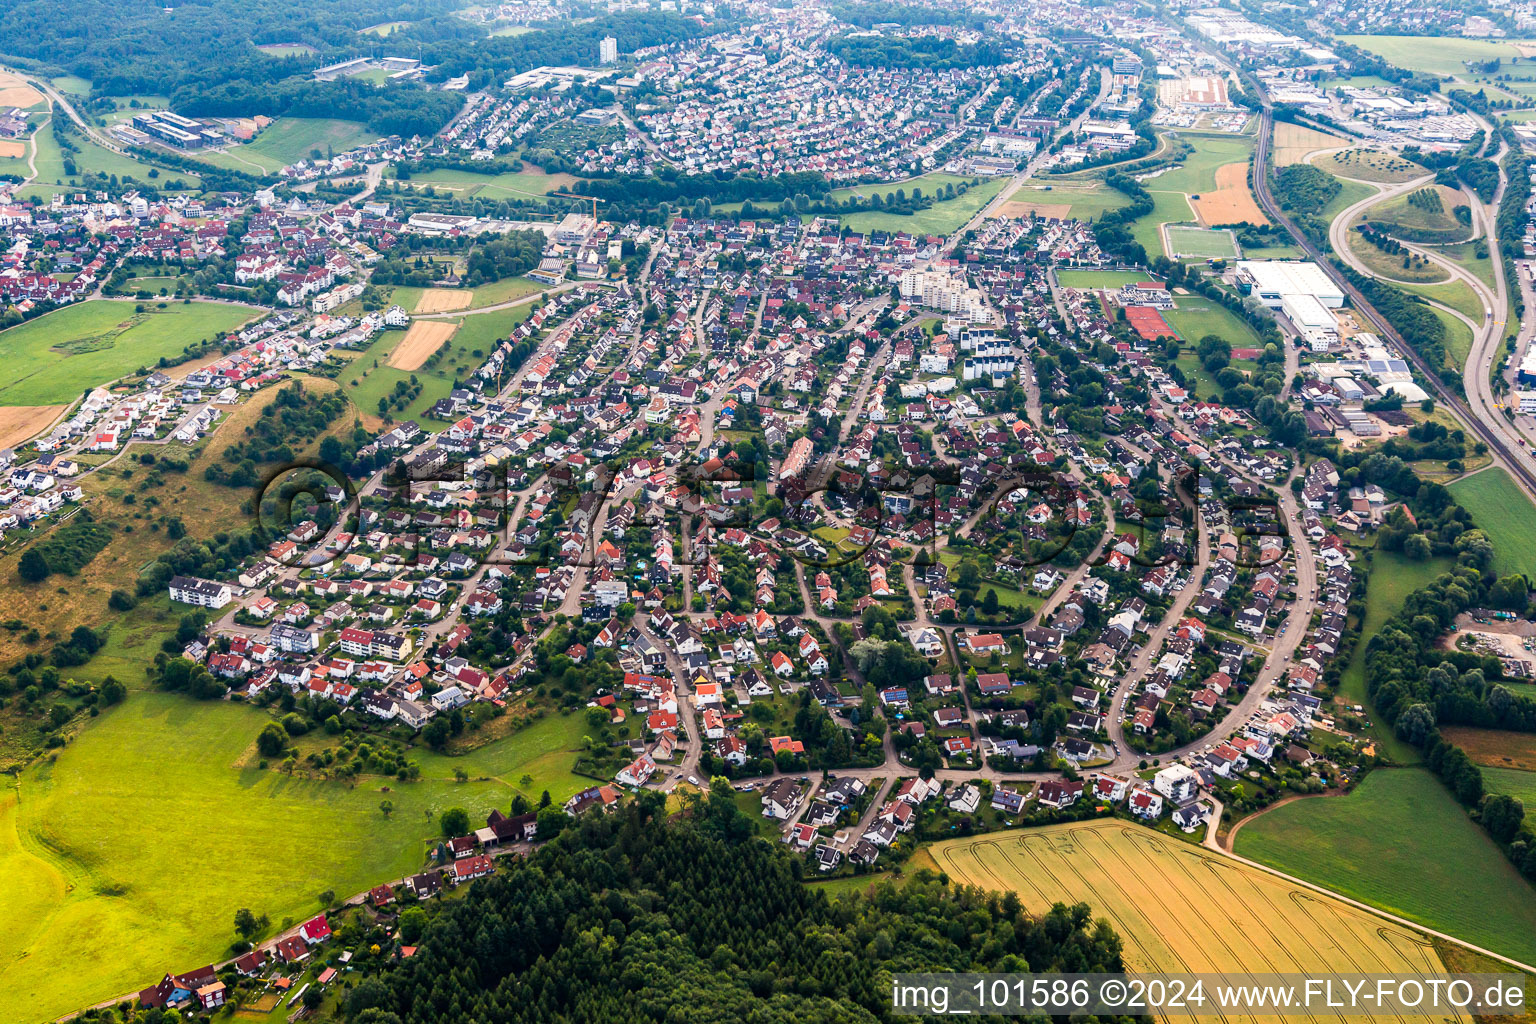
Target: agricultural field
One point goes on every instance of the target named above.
(424, 338)
(526, 184)
(1369, 165)
(1400, 842)
(508, 289)
(370, 377)
(1519, 784)
(1198, 172)
(1514, 752)
(98, 842)
(1292, 142)
(54, 358)
(1199, 243)
(1437, 55)
(71, 85)
(1084, 200)
(938, 219)
(1231, 201)
(1198, 916)
(1494, 501)
(289, 140)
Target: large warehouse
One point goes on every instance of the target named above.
(1299, 290)
(1271, 280)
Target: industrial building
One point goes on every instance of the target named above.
(1302, 291)
(175, 130)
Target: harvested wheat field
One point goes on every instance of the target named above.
(1232, 202)
(1181, 908)
(19, 422)
(444, 300)
(424, 338)
(1023, 208)
(1293, 142)
(11, 148)
(15, 92)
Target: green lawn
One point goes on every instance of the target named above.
(1401, 842)
(147, 837)
(1195, 316)
(1168, 207)
(479, 331)
(506, 290)
(1418, 223)
(938, 219)
(74, 85)
(527, 184)
(1098, 278)
(289, 140)
(54, 358)
(287, 49)
(1458, 338)
(1198, 171)
(1440, 55)
(930, 183)
(1391, 579)
(1202, 243)
(1517, 783)
(1087, 199)
(1350, 193)
(1480, 266)
(88, 158)
(1503, 512)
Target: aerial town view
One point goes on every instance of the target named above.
(678, 511)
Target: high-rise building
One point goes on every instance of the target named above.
(608, 50)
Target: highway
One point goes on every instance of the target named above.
(1496, 435)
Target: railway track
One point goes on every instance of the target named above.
(1511, 457)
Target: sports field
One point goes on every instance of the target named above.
(1091, 279)
(1195, 316)
(1504, 513)
(1200, 243)
(1402, 843)
(1182, 908)
(56, 357)
(424, 338)
(1439, 55)
(147, 834)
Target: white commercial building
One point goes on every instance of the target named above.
(1271, 280)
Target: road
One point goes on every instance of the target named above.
(1492, 431)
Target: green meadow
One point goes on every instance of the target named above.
(54, 358)
(1400, 842)
(1503, 512)
(152, 828)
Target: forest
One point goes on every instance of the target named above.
(625, 917)
(204, 57)
(930, 52)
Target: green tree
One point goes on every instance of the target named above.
(454, 821)
(32, 566)
(272, 740)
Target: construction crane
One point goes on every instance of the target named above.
(592, 199)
